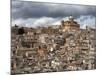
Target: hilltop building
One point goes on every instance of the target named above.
(70, 24)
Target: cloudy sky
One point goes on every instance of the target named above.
(34, 14)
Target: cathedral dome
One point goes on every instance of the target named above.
(70, 24)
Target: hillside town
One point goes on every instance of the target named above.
(64, 47)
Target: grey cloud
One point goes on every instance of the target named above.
(25, 10)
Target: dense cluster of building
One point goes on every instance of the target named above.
(53, 49)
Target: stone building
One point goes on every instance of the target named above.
(50, 50)
(70, 24)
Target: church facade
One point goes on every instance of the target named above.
(70, 24)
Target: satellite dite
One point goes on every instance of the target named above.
(52, 37)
